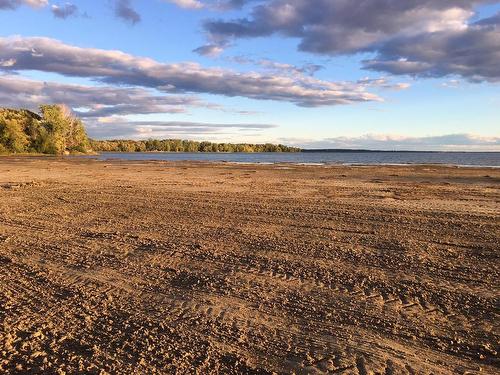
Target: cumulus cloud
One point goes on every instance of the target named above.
(13, 4)
(472, 53)
(340, 26)
(448, 142)
(64, 11)
(124, 11)
(402, 33)
(91, 101)
(115, 67)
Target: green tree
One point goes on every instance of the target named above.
(63, 133)
(12, 136)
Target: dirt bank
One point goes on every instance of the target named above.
(156, 267)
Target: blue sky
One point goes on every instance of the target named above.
(368, 86)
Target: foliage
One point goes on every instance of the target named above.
(177, 145)
(56, 131)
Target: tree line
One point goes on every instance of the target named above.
(56, 131)
(178, 145)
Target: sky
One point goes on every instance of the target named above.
(379, 74)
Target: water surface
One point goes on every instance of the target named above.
(489, 159)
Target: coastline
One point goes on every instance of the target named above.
(204, 266)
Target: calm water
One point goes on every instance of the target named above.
(490, 159)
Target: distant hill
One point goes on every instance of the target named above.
(53, 131)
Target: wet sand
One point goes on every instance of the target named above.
(135, 268)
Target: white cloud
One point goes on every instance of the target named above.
(189, 4)
(119, 128)
(448, 142)
(13, 4)
(116, 67)
(7, 62)
(36, 3)
(417, 37)
(92, 101)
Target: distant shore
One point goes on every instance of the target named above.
(405, 151)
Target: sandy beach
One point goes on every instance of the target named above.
(155, 267)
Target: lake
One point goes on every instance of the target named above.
(489, 159)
